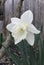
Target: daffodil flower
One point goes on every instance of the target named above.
(22, 28)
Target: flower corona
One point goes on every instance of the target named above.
(23, 28)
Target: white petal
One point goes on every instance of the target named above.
(13, 23)
(17, 41)
(10, 26)
(15, 20)
(33, 29)
(30, 38)
(27, 16)
(20, 39)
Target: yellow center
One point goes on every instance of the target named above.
(21, 31)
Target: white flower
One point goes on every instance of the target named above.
(23, 28)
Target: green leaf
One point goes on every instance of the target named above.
(32, 55)
(28, 55)
(37, 37)
(24, 55)
(1, 39)
(41, 52)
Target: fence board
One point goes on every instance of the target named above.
(36, 6)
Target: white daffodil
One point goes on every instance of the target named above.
(23, 28)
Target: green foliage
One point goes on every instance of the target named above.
(1, 39)
(41, 51)
(30, 55)
(24, 54)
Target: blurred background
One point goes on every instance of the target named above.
(8, 10)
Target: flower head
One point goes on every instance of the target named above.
(23, 28)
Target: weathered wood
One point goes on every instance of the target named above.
(9, 38)
(36, 6)
(2, 2)
(1, 26)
